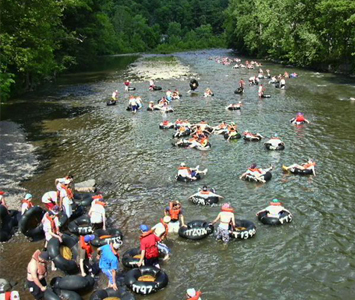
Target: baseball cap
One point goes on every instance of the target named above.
(88, 238)
(191, 292)
(116, 246)
(167, 219)
(275, 201)
(28, 197)
(144, 228)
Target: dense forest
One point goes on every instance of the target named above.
(41, 38)
(315, 33)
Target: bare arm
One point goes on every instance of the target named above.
(33, 271)
(142, 258)
(216, 219)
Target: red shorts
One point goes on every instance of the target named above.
(50, 205)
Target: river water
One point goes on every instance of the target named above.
(68, 127)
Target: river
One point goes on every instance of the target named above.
(68, 127)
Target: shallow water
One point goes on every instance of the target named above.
(69, 128)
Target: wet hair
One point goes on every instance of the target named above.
(253, 166)
(204, 188)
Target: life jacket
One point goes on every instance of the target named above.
(205, 192)
(275, 203)
(29, 203)
(309, 165)
(182, 128)
(166, 226)
(166, 122)
(54, 227)
(41, 267)
(255, 170)
(204, 142)
(183, 168)
(228, 209)
(100, 203)
(275, 138)
(300, 119)
(197, 296)
(174, 213)
(153, 250)
(86, 246)
(69, 191)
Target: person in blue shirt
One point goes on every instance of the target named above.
(109, 264)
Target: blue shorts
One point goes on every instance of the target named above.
(108, 273)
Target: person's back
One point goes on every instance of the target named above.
(108, 260)
(149, 244)
(183, 171)
(273, 211)
(97, 212)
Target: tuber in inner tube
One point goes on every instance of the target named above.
(134, 280)
(83, 199)
(111, 102)
(193, 84)
(120, 294)
(74, 283)
(196, 230)
(62, 263)
(186, 179)
(267, 176)
(284, 217)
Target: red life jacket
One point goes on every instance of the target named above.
(85, 246)
(309, 165)
(205, 192)
(29, 203)
(300, 119)
(275, 203)
(69, 191)
(174, 213)
(54, 227)
(255, 170)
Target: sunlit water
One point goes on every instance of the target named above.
(69, 128)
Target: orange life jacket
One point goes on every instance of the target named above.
(255, 170)
(309, 165)
(41, 267)
(174, 212)
(69, 191)
(197, 296)
(184, 168)
(228, 210)
(166, 122)
(97, 197)
(144, 234)
(205, 192)
(29, 203)
(101, 203)
(54, 227)
(86, 246)
(275, 203)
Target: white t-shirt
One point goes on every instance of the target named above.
(184, 173)
(274, 210)
(66, 203)
(47, 226)
(97, 212)
(49, 197)
(159, 229)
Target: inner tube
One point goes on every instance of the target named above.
(186, 179)
(193, 84)
(234, 137)
(247, 230)
(252, 138)
(284, 217)
(74, 283)
(132, 280)
(265, 96)
(203, 199)
(131, 258)
(267, 176)
(103, 237)
(66, 265)
(239, 91)
(182, 143)
(233, 107)
(179, 134)
(7, 224)
(203, 148)
(131, 88)
(81, 225)
(83, 199)
(196, 230)
(58, 294)
(120, 294)
(268, 146)
(297, 171)
(111, 102)
(156, 88)
(31, 223)
(169, 126)
(129, 108)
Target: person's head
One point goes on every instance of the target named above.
(28, 197)
(182, 164)
(66, 182)
(44, 256)
(275, 201)
(299, 114)
(232, 123)
(204, 188)
(166, 219)
(176, 204)
(144, 228)
(116, 91)
(55, 210)
(191, 292)
(253, 166)
(276, 135)
(240, 102)
(88, 238)
(116, 246)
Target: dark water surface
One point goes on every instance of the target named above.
(69, 128)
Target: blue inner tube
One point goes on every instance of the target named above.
(196, 230)
(103, 237)
(31, 223)
(146, 288)
(284, 217)
(248, 230)
(60, 262)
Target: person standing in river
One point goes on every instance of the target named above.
(36, 272)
